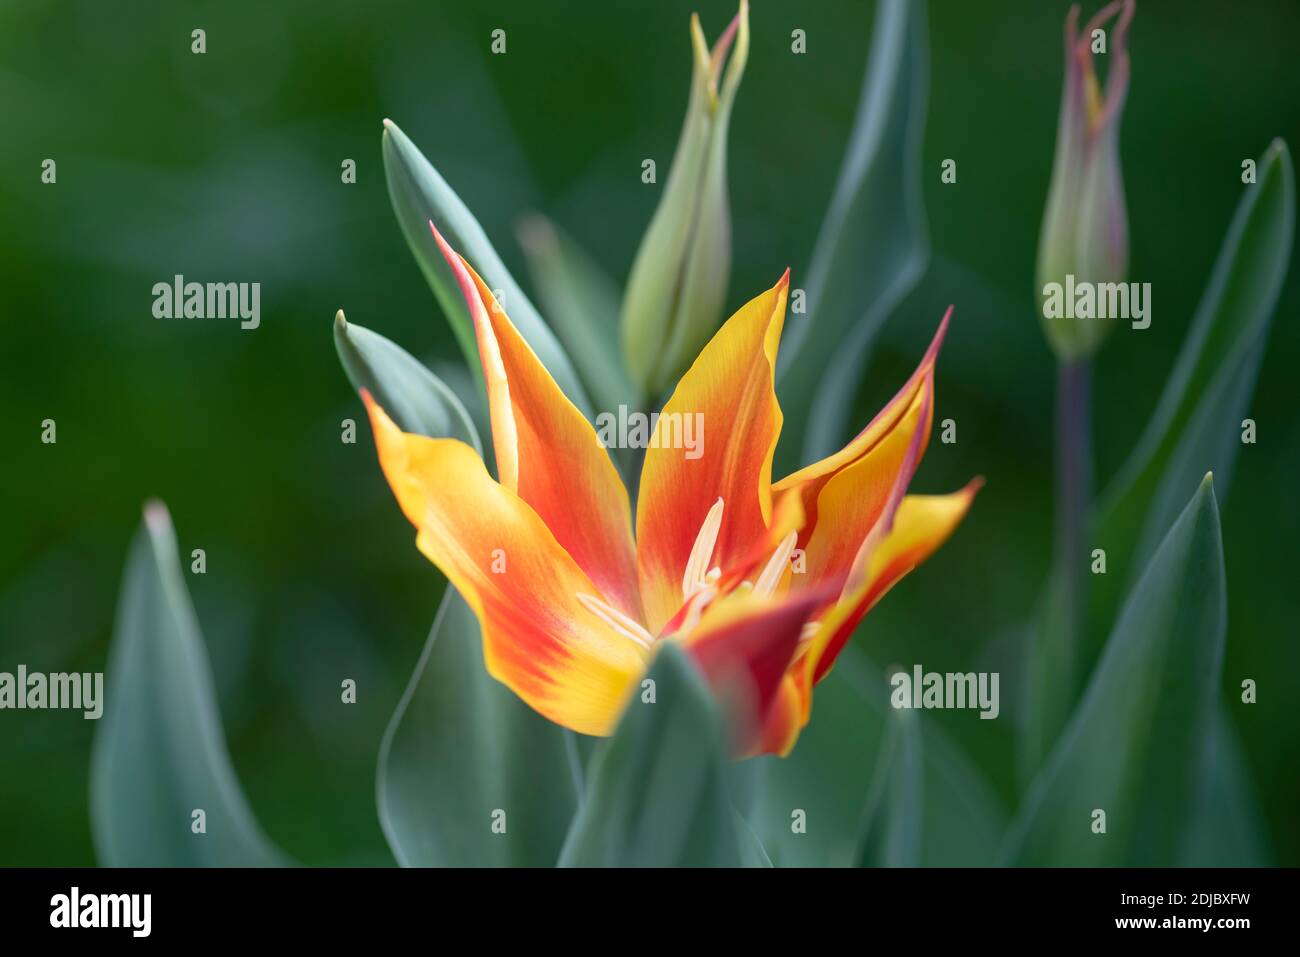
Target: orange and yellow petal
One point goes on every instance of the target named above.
(811, 479)
(744, 644)
(546, 450)
(921, 524)
(539, 638)
(785, 719)
(729, 389)
(854, 498)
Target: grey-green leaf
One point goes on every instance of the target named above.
(873, 243)
(1229, 829)
(1197, 424)
(414, 398)
(420, 195)
(1136, 748)
(1196, 428)
(896, 805)
(812, 806)
(583, 304)
(853, 787)
(657, 793)
(469, 775)
(160, 754)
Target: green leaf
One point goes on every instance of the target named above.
(1197, 426)
(583, 304)
(462, 753)
(420, 195)
(812, 807)
(838, 772)
(964, 822)
(159, 752)
(752, 852)
(460, 746)
(895, 807)
(1136, 747)
(456, 376)
(1229, 829)
(1049, 688)
(657, 793)
(413, 397)
(873, 243)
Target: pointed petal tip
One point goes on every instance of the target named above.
(720, 49)
(936, 343)
(699, 45)
(156, 516)
(340, 321)
(452, 257)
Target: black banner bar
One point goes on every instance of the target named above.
(338, 906)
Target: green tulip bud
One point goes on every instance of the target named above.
(1084, 237)
(676, 290)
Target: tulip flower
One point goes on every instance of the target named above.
(572, 604)
(675, 291)
(1085, 226)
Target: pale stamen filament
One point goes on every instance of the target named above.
(627, 627)
(702, 599)
(771, 574)
(697, 565)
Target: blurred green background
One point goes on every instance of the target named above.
(226, 166)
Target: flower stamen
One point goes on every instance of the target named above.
(808, 630)
(702, 599)
(697, 565)
(627, 627)
(771, 574)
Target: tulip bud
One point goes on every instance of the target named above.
(1085, 226)
(678, 283)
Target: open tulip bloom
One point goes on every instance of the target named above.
(762, 583)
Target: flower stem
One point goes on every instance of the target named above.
(1073, 494)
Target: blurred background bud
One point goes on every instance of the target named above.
(1085, 226)
(675, 292)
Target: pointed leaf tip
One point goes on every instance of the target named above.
(419, 194)
(412, 396)
(159, 750)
